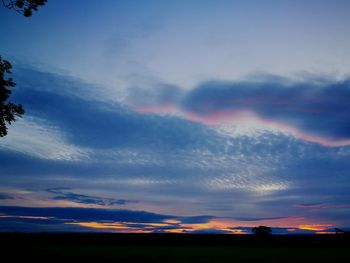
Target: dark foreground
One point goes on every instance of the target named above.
(174, 248)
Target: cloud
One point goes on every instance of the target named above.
(41, 140)
(65, 194)
(98, 214)
(195, 219)
(24, 218)
(5, 196)
(160, 96)
(260, 218)
(68, 219)
(104, 148)
(315, 110)
(88, 122)
(85, 214)
(311, 205)
(26, 224)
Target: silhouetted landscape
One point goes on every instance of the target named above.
(177, 247)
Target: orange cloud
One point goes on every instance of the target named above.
(118, 227)
(315, 227)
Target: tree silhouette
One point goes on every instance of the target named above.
(8, 110)
(25, 7)
(262, 231)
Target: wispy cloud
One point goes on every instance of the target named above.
(66, 194)
(33, 136)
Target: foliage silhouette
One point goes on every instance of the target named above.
(8, 110)
(262, 231)
(24, 7)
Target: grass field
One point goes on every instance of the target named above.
(111, 249)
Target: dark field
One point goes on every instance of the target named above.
(175, 248)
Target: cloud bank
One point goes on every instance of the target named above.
(315, 110)
(77, 150)
(34, 219)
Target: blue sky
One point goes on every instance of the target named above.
(178, 116)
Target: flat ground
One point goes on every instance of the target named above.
(175, 248)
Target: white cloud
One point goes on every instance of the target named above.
(249, 127)
(33, 136)
(248, 182)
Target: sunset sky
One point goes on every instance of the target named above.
(191, 116)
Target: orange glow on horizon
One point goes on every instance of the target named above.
(315, 227)
(99, 225)
(325, 233)
(172, 221)
(111, 226)
(175, 226)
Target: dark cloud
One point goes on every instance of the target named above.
(85, 214)
(85, 199)
(38, 219)
(63, 193)
(321, 110)
(310, 205)
(316, 107)
(97, 214)
(57, 190)
(23, 224)
(32, 166)
(4, 196)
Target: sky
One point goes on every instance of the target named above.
(194, 116)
